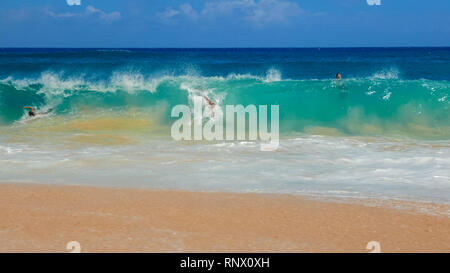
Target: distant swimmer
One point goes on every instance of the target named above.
(32, 112)
(211, 104)
(341, 86)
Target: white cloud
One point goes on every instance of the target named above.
(90, 11)
(73, 2)
(108, 17)
(188, 11)
(61, 15)
(373, 2)
(167, 16)
(256, 12)
(171, 15)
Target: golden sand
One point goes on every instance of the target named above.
(45, 218)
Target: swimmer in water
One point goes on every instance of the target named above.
(211, 104)
(340, 85)
(32, 112)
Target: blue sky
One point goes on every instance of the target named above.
(224, 23)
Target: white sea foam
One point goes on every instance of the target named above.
(57, 84)
(386, 74)
(273, 75)
(316, 165)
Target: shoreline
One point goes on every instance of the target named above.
(44, 218)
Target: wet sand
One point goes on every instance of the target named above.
(36, 218)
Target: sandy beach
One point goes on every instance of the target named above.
(39, 218)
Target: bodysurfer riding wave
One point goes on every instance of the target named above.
(32, 112)
(211, 104)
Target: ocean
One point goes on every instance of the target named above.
(382, 131)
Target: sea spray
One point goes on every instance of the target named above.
(190, 126)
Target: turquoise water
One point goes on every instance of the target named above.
(381, 131)
(383, 92)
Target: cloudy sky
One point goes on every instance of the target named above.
(224, 23)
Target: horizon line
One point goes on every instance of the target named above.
(254, 47)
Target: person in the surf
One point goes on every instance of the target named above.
(32, 112)
(211, 104)
(340, 85)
